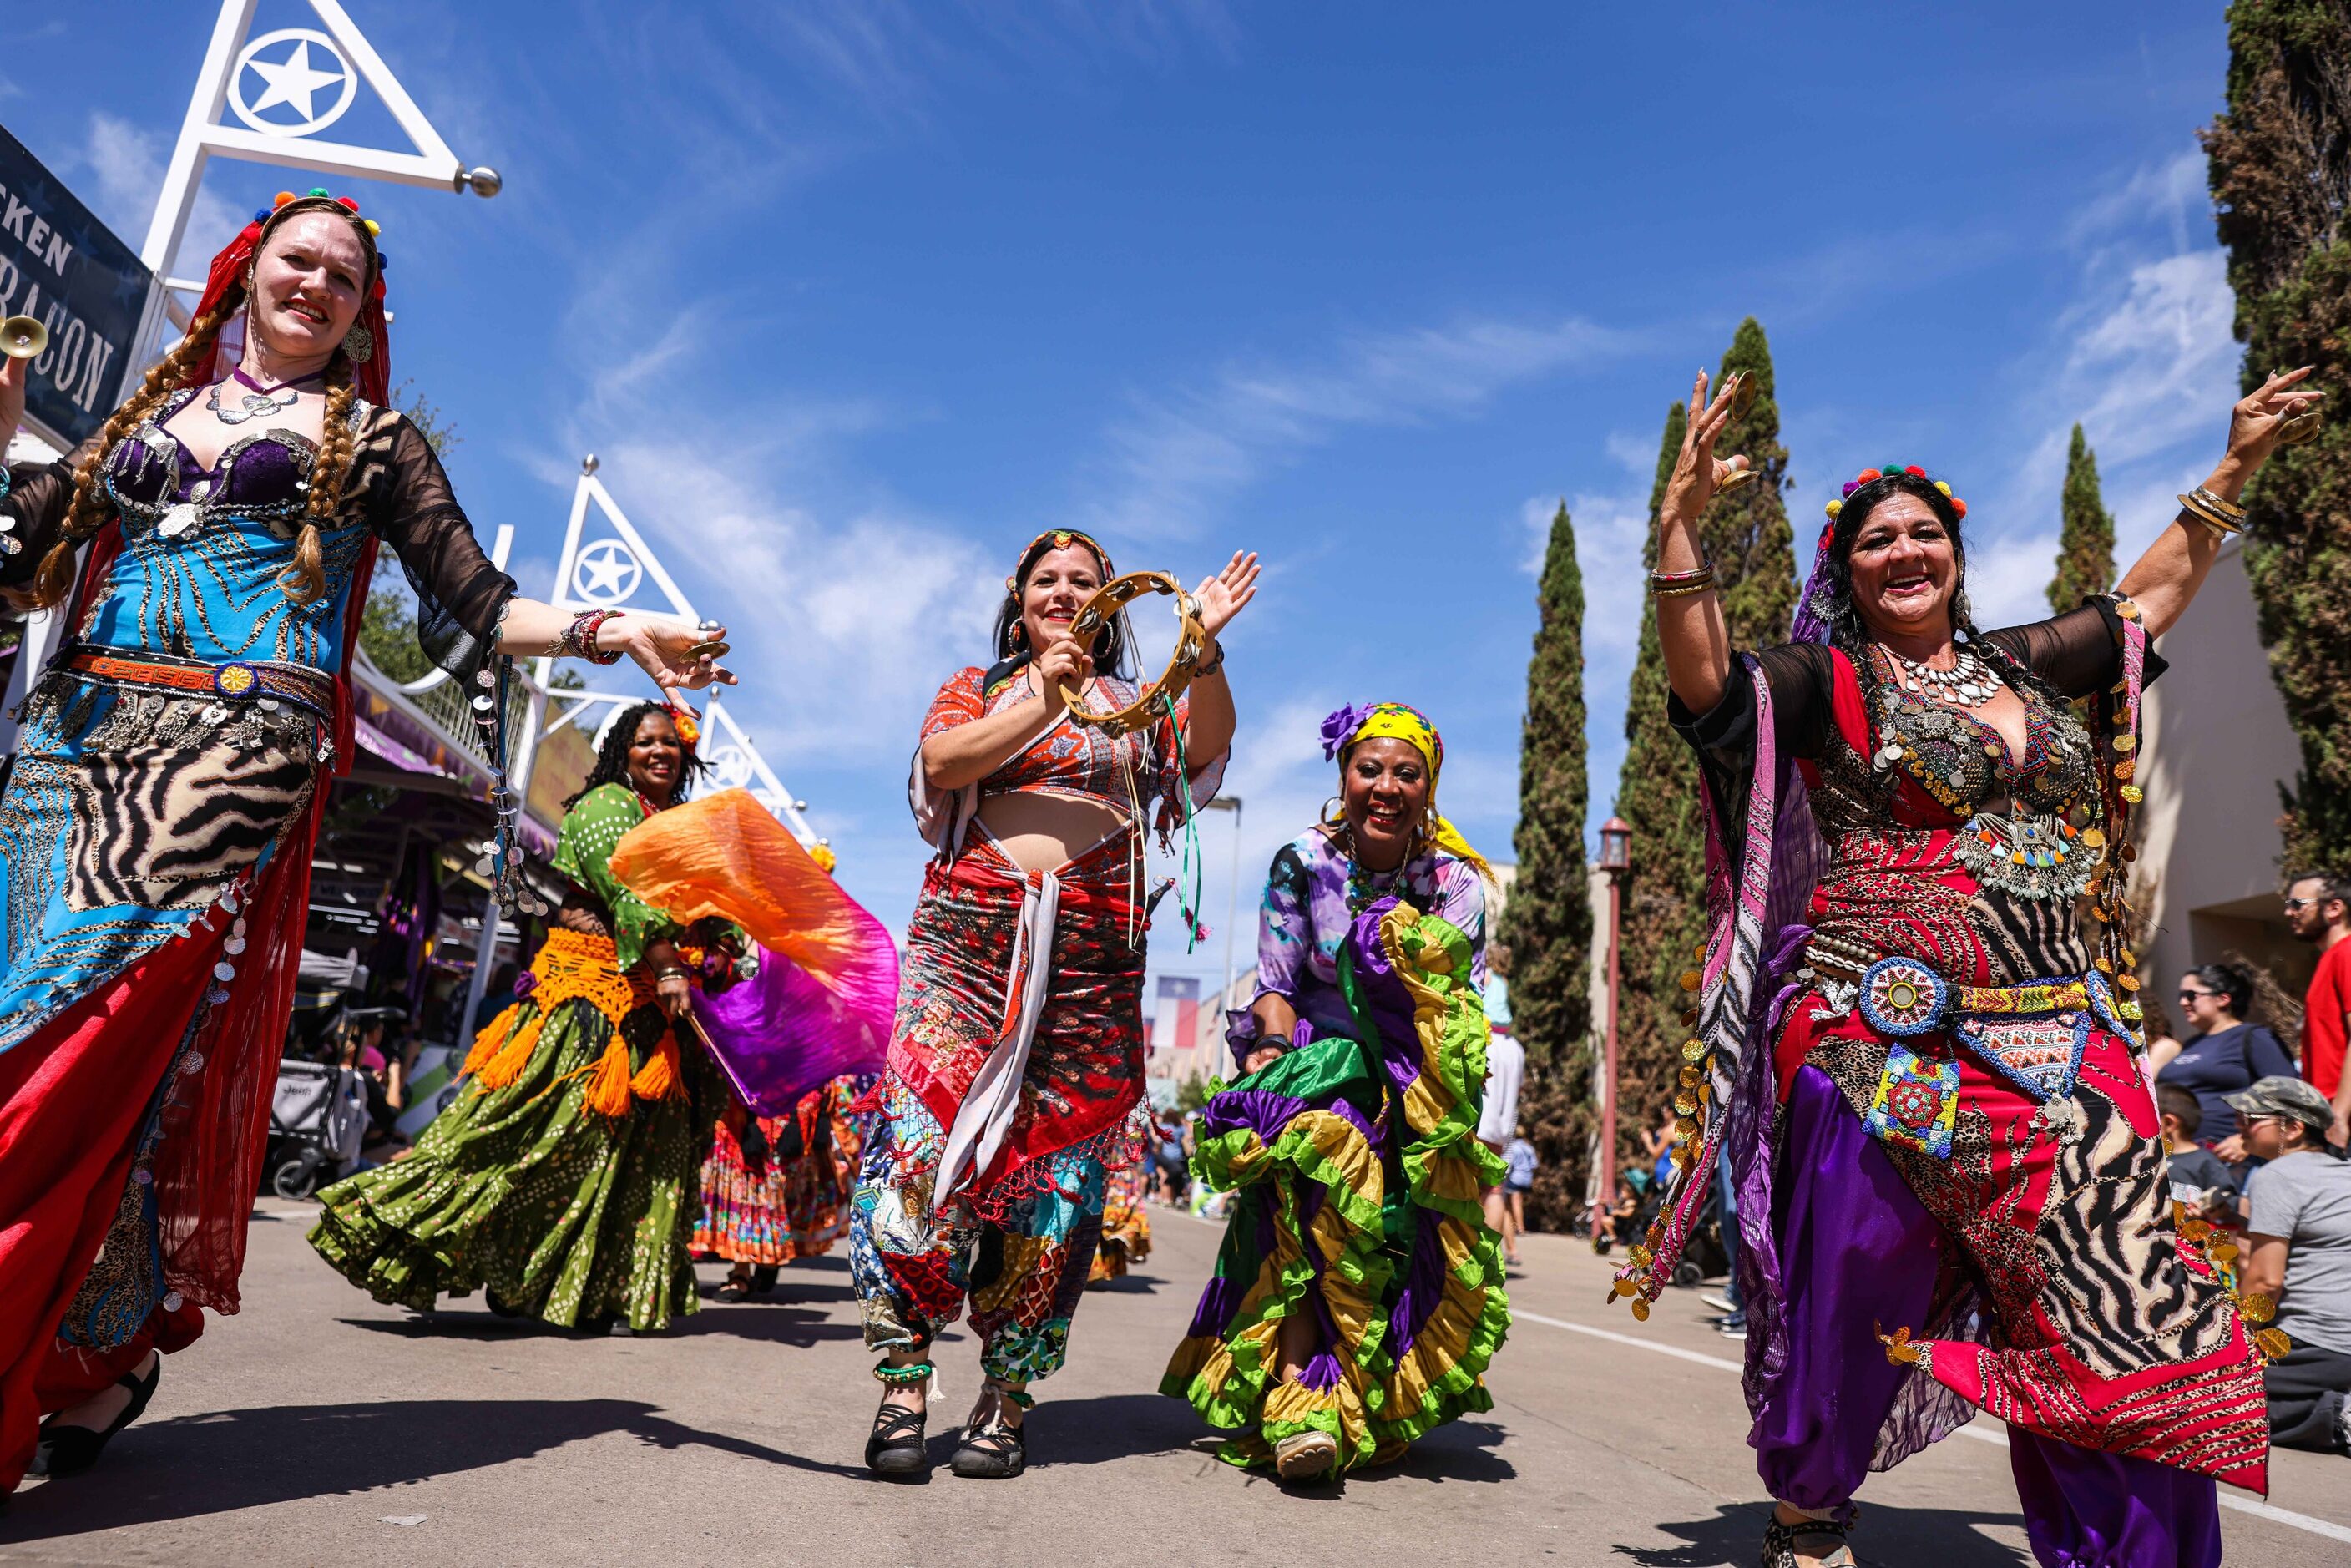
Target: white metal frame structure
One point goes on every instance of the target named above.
(617, 569)
(219, 87)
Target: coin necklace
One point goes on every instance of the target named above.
(258, 402)
(1969, 683)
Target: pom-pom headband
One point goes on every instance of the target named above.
(368, 348)
(1891, 469)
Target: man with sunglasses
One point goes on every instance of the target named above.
(2298, 1254)
(2319, 909)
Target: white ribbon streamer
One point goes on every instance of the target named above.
(985, 1114)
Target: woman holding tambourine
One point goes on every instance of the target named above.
(1018, 1050)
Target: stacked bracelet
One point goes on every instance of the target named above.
(1674, 584)
(2222, 516)
(1212, 666)
(578, 640)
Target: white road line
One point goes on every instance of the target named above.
(2326, 1528)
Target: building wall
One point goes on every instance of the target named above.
(2217, 746)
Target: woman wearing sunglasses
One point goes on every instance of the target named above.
(2223, 1054)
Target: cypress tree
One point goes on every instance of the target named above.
(1546, 927)
(1748, 538)
(2279, 159)
(2085, 543)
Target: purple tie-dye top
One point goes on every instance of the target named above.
(1307, 912)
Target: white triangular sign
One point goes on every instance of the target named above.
(269, 100)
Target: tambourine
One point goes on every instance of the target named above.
(1095, 615)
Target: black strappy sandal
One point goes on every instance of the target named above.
(70, 1450)
(996, 1451)
(894, 1449)
(734, 1288)
(1780, 1542)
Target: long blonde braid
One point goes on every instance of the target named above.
(305, 582)
(88, 511)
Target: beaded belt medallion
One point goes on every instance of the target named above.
(1917, 1103)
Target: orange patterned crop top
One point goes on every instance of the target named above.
(1073, 759)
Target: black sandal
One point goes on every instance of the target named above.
(996, 1451)
(1780, 1542)
(894, 1449)
(734, 1288)
(70, 1450)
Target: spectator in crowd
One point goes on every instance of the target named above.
(1497, 1116)
(2298, 1253)
(2319, 910)
(1732, 1323)
(1518, 1161)
(2225, 1054)
(2195, 1172)
(1624, 1218)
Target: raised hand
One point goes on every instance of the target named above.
(1228, 593)
(664, 649)
(2256, 421)
(1697, 472)
(1065, 663)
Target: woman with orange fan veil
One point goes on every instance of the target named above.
(566, 1179)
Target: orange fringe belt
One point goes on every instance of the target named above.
(573, 967)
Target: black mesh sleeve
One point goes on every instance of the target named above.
(459, 594)
(39, 495)
(2078, 653)
(1800, 676)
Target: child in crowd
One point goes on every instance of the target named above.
(2199, 1178)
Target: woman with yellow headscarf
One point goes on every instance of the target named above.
(1358, 1297)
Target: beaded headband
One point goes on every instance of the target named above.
(1911, 469)
(1063, 539)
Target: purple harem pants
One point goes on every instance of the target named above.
(1857, 1251)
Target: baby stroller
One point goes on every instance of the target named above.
(318, 1117)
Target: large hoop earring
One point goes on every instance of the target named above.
(1334, 812)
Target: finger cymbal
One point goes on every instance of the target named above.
(1743, 398)
(2302, 428)
(1738, 478)
(22, 337)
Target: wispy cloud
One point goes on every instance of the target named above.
(2144, 357)
(127, 165)
(1172, 461)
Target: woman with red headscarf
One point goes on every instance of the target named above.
(157, 823)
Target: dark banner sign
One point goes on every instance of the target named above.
(61, 265)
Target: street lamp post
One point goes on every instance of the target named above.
(1616, 860)
(1232, 899)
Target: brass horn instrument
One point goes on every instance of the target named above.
(22, 337)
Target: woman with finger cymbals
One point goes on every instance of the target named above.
(1018, 1050)
(1916, 1026)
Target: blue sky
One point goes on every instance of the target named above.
(853, 299)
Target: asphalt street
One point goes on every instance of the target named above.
(318, 1428)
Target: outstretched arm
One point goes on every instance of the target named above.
(2167, 577)
(1690, 628)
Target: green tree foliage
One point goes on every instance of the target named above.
(1546, 927)
(2085, 543)
(2279, 159)
(1748, 538)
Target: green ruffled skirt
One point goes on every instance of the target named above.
(1357, 1202)
(563, 1212)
